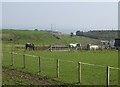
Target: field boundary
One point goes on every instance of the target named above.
(71, 61)
(108, 68)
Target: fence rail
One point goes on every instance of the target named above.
(79, 66)
(72, 61)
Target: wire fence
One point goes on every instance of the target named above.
(64, 70)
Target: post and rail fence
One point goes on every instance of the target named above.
(58, 67)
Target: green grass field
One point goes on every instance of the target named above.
(91, 75)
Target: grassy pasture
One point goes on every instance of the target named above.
(91, 75)
(42, 37)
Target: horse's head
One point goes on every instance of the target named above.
(78, 45)
(29, 45)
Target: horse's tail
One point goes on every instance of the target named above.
(25, 46)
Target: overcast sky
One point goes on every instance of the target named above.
(59, 0)
(65, 16)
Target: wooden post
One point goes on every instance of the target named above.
(108, 76)
(57, 68)
(79, 72)
(50, 47)
(39, 64)
(24, 61)
(55, 48)
(68, 48)
(12, 56)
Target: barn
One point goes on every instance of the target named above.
(117, 43)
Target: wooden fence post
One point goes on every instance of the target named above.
(79, 72)
(50, 47)
(12, 56)
(57, 68)
(108, 76)
(24, 61)
(39, 64)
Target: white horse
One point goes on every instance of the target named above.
(93, 47)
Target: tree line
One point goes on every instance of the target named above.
(99, 34)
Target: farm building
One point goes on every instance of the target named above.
(111, 43)
(115, 43)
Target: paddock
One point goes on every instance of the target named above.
(65, 65)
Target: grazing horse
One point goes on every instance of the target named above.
(92, 47)
(30, 46)
(76, 46)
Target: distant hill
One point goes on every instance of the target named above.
(42, 37)
(99, 34)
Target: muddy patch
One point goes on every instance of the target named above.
(15, 77)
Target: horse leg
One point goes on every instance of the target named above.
(26, 47)
(29, 48)
(33, 48)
